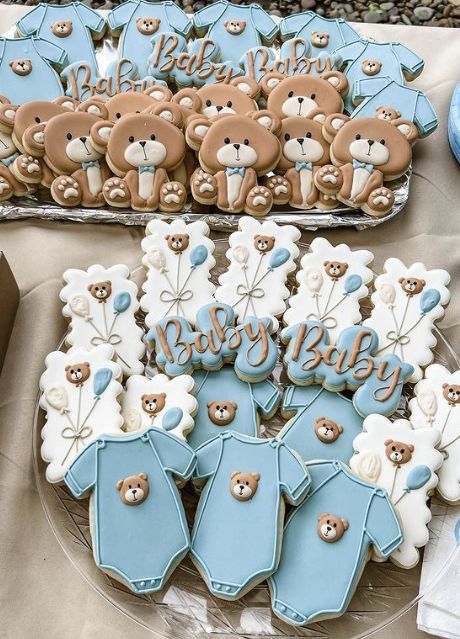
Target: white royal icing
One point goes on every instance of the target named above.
(254, 284)
(329, 294)
(177, 280)
(408, 482)
(100, 318)
(405, 322)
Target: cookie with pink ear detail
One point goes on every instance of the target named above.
(233, 151)
(365, 153)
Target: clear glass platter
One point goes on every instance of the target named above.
(185, 609)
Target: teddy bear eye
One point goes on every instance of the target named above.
(313, 96)
(218, 406)
(402, 451)
(208, 102)
(131, 138)
(290, 94)
(335, 525)
(246, 141)
(308, 135)
(451, 390)
(129, 486)
(153, 136)
(138, 485)
(247, 483)
(229, 104)
(287, 136)
(358, 137)
(227, 141)
(69, 136)
(393, 448)
(37, 120)
(118, 115)
(328, 521)
(382, 141)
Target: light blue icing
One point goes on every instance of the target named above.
(78, 45)
(234, 542)
(140, 543)
(260, 27)
(382, 91)
(378, 374)
(303, 25)
(316, 578)
(42, 83)
(245, 343)
(398, 63)
(309, 403)
(224, 385)
(165, 47)
(135, 45)
(211, 69)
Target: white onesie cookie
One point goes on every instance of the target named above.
(261, 256)
(101, 304)
(178, 258)
(79, 394)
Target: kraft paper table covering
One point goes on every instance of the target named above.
(41, 594)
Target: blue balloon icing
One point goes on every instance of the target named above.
(172, 418)
(121, 302)
(352, 283)
(417, 477)
(101, 380)
(278, 257)
(198, 254)
(429, 299)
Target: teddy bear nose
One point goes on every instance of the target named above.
(83, 139)
(219, 108)
(237, 146)
(300, 140)
(142, 143)
(300, 100)
(370, 142)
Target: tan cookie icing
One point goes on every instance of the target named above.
(78, 373)
(412, 285)
(178, 242)
(147, 26)
(133, 489)
(335, 270)
(21, 66)
(319, 39)
(61, 28)
(331, 528)
(327, 430)
(101, 291)
(153, 403)
(451, 393)
(264, 243)
(387, 113)
(398, 452)
(243, 486)
(235, 27)
(222, 412)
(371, 67)
(236, 97)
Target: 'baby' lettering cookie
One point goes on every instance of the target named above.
(261, 256)
(403, 461)
(79, 394)
(178, 258)
(407, 303)
(332, 281)
(101, 304)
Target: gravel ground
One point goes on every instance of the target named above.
(431, 13)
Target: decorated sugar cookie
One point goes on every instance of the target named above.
(225, 403)
(101, 304)
(134, 503)
(326, 544)
(178, 258)
(323, 34)
(9, 153)
(435, 405)
(261, 256)
(407, 303)
(179, 349)
(160, 402)
(236, 97)
(322, 425)
(79, 394)
(332, 281)
(403, 461)
(246, 484)
(352, 363)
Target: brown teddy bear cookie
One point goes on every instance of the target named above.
(178, 243)
(233, 151)
(365, 152)
(141, 149)
(387, 113)
(153, 403)
(304, 150)
(327, 430)
(264, 243)
(335, 270)
(411, 285)
(319, 39)
(243, 486)
(134, 489)
(101, 291)
(148, 26)
(235, 27)
(305, 96)
(222, 412)
(451, 392)
(9, 184)
(78, 373)
(398, 452)
(236, 97)
(126, 102)
(371, 67)
(21, 67)
(331, 528)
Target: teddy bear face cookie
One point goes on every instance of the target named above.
(133, 489)
(141, 148)
(331, 528)
(305, 96)
(243, 486)
(234, 150)
(9, 154)
(236, 97)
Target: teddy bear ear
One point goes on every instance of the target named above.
(163, 395)
(234, 474)
(407, 128)
(345, 524)
(159, 93)
(143, 397)
(270, 81)
(256, 476)
(320, 419)
(234, 404)
(94, 106)
(322, 515)
(387, 442)
(119, 484)
(100, 134)
(445, 385)
(188, 99)
(337, 80)
(168, 111)
(143, 476)
(34, 139)
(67, 103)
(411, 448)
(423, 282)
(247, 85)
(196, 131)
(267, 119)
(340, 429)
(67, 367)
(7, 115)
(333, 124)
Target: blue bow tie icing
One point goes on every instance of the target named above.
(362, 165)
(146, 169)
(10, 159)
(87, 165)
(303, 165)
(240, 171)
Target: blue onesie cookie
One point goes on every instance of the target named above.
(326, 544)
(237, 532)
(137, 21)
(323, 34)
(70, 26)
(26, 73)
(227, 403)
(138, 528)
(324, 424)
(235, 28)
